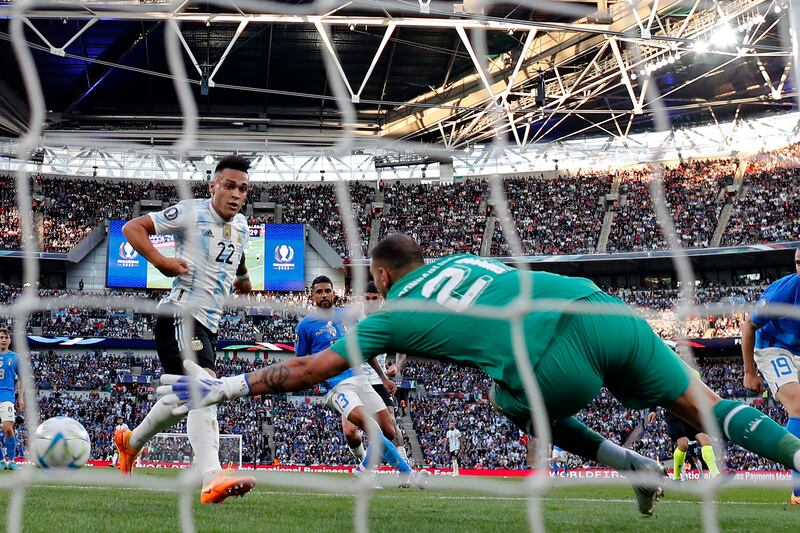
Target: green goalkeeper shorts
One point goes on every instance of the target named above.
(589, 351)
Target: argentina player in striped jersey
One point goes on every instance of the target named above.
(206, 267)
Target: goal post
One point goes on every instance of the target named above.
(175, 448)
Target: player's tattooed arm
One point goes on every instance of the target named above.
(269, 380)
(296, 374)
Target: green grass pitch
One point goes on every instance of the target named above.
(268, 508)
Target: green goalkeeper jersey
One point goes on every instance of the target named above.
(457, 285)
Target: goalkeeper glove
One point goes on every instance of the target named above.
(199, 389)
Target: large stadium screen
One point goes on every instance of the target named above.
(282, 269)
(284, 263)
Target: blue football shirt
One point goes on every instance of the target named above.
(8, 376)
(317, 332)
(779, 331)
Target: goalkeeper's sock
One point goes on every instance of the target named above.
(572, 435)
(753, 430)
(710, 458)
(360, 453)
(390, 455)
(157, 420)
(793, 427)
(11, 448)
(677, 463)
(616, 456)
(203, 430)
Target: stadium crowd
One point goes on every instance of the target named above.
(767, 209)
(317, 205)
(92, 387)
(554, 216)
(443, 218)
(695, 196)
(273, 317)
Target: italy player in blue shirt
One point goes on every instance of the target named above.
(350, 394)
(772, 344)
(8, 376)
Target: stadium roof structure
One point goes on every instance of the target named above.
(440, 73)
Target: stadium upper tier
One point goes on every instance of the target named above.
(712, 202)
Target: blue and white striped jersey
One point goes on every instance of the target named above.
(213, 253)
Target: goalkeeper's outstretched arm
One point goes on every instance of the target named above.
(301, 373)
(296, 374)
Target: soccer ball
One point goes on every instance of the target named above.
(60, 442)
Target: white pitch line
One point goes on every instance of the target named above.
(428, 495)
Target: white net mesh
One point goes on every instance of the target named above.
(649, 42)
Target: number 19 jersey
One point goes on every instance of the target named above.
(456, 286)
(213, 252)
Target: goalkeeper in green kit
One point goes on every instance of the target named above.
(573, 354)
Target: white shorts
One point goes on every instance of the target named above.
(7, 413)
(354, 392)
(559, 455)
(778, 366)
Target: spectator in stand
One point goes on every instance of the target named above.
(767, 208)
(695, 197)
(561, 215)
(448, 218)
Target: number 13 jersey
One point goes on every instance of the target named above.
(213, 250)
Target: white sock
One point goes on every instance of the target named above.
(402, 451)
(158, 419)
(203, 430)
(797, 460)
(613, 455)
(616, 456)
(360, 453)
(455, 467)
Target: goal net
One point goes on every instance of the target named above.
(174, 449)
(513, 122)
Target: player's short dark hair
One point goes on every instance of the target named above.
(398, 251)
(6, 331)
(233, 162)
(371, 287)
(321, 279)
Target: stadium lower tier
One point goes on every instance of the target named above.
(300, 430)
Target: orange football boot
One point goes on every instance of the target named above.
(224, 485)
(127, 454)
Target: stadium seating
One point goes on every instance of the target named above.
(694, 195)
(87, 386)
(552, 216)
(555, 216)
(443, 218)
(767, 208)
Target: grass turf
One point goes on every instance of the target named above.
(88, 509)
